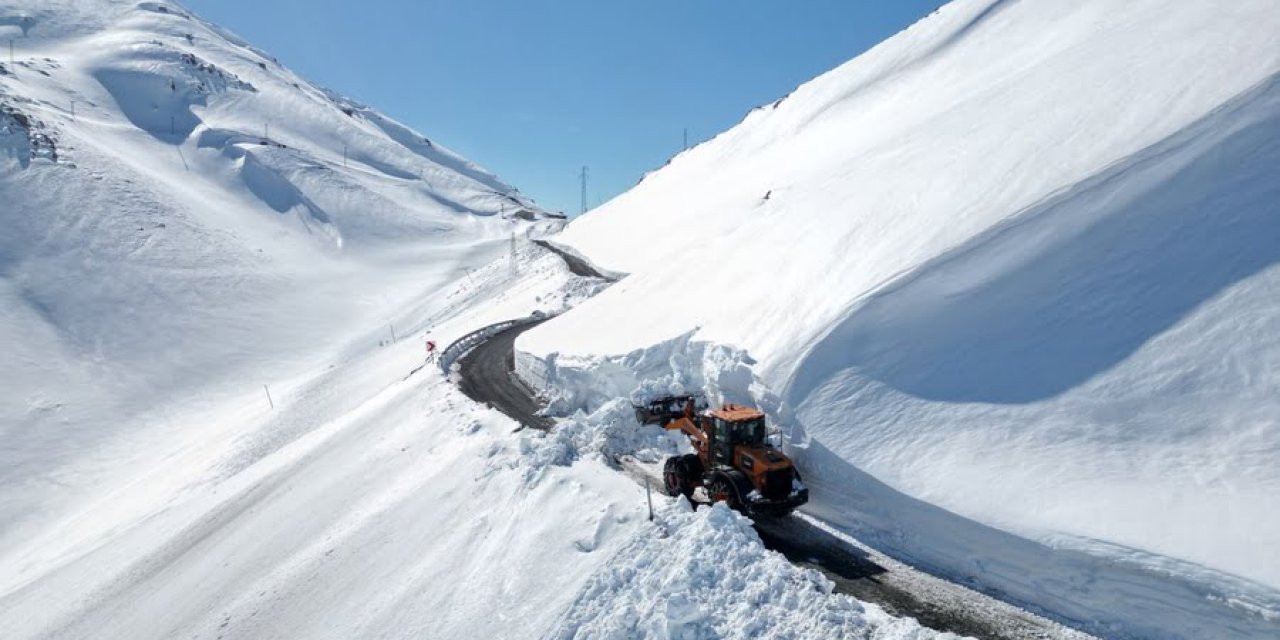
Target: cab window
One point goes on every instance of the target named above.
(751, 431)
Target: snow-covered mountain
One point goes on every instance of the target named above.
(182, 221)
(215, 418)
(1018, 262)
(178, 209)
(1005, 282)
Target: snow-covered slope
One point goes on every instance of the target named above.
(183, 220)
(1018, 262)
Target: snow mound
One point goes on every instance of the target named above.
(604, 435)
(704, 575)
(720, 373)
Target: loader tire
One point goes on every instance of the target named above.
(681, 474)
(673, 477)
(729, 487)
(692, 470)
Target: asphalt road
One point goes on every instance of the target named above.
(936, 603)
(577, 266)
(488, 371)
(488, 377)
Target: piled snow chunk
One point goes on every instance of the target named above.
(705, 574)
(721, 373)
(603, 435)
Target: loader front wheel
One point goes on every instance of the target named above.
(673, 479)
(731, 488)
(721, 490)
(681, 475)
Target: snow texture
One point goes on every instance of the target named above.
(1012, 274)
(216, 417)
(688, 575)
(705, 575)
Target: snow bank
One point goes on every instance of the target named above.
(682, 365)
(603, 435)
(703, 575)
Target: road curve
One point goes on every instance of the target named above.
(488, 371)
(488, 377)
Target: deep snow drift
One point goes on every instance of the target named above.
(1017, 262)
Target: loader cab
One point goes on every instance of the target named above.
(731, 426)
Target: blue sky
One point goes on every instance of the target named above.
(534, 89)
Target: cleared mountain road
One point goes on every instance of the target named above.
(487, 375)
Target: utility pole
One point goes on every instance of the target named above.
(266, 131)
(686, 138)
(73, 109)
(11, 53)
(584, 188)
(344, 155)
